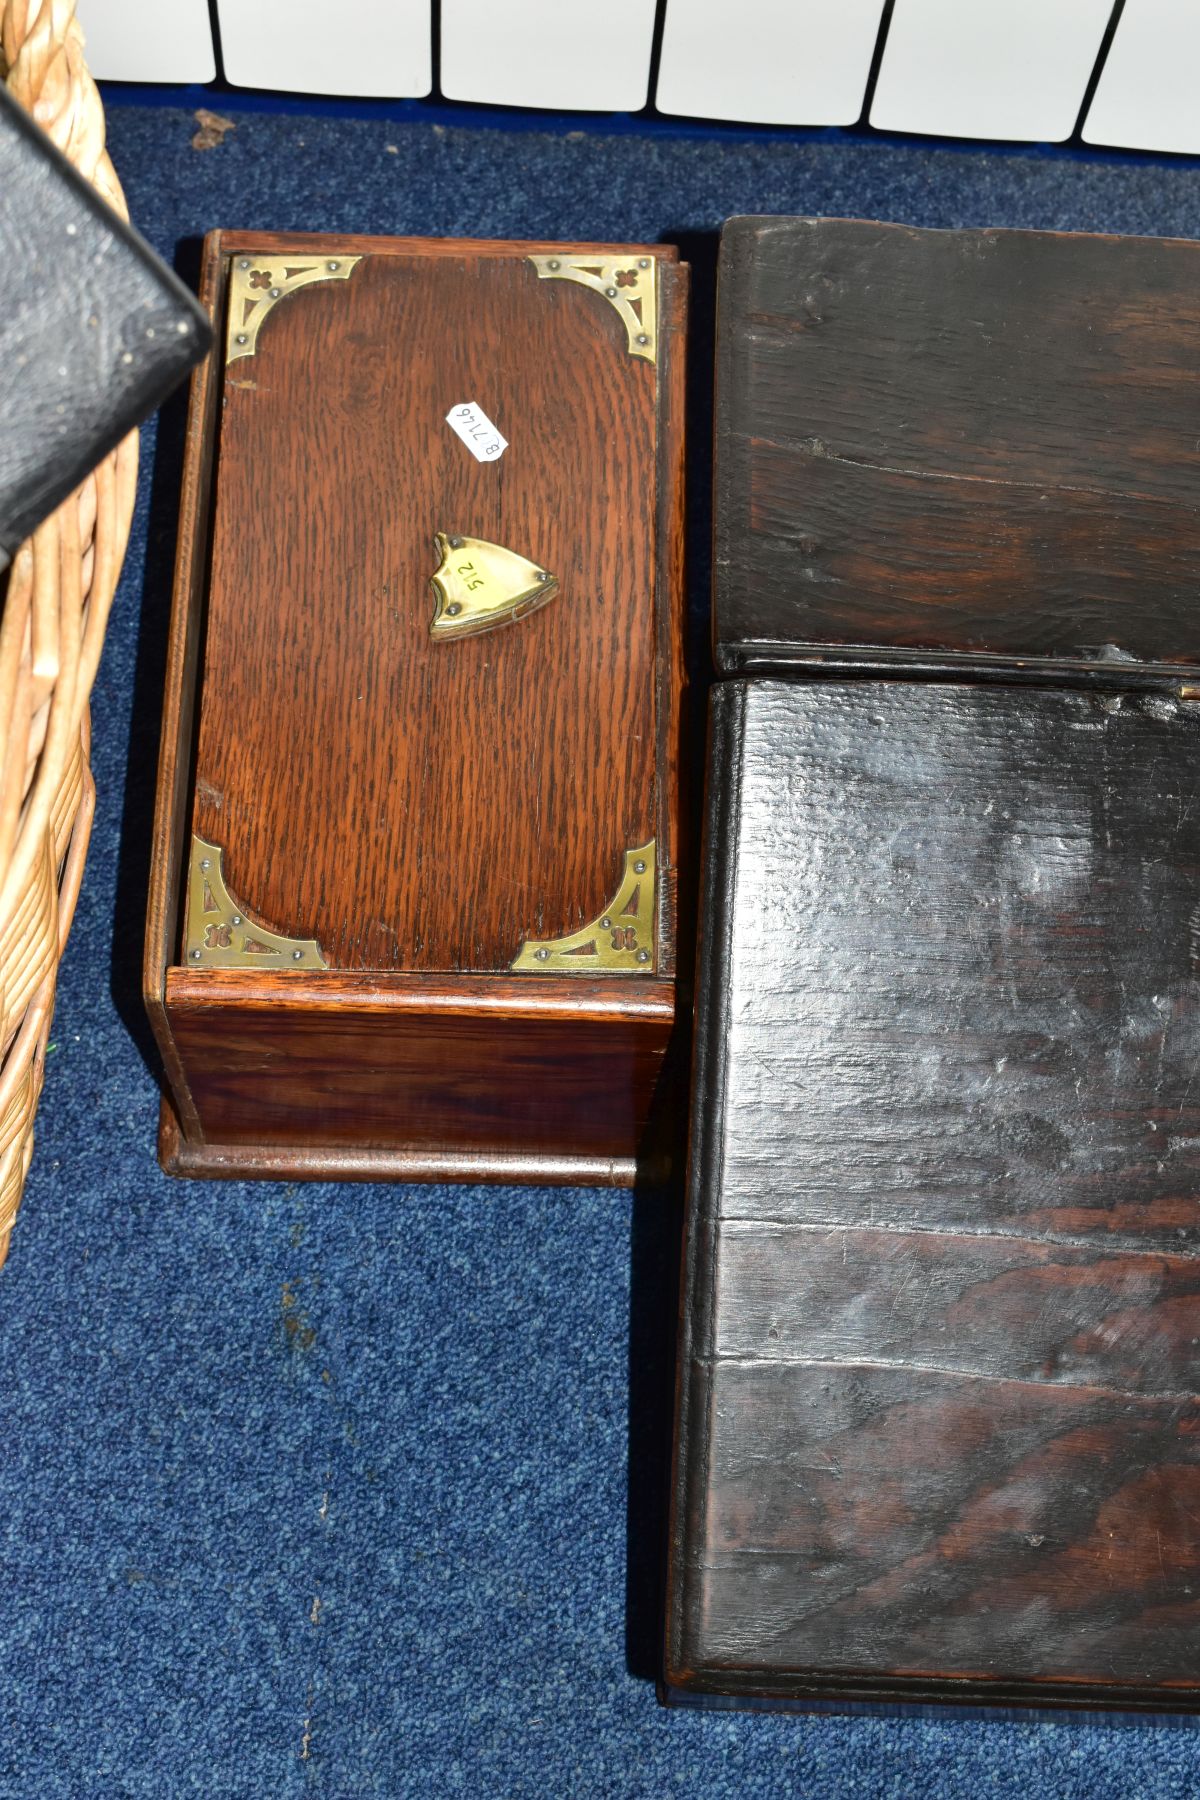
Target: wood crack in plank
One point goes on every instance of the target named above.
(820, 451)
(1120, 1243)
(907, 1366)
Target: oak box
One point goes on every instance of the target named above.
(415, 862)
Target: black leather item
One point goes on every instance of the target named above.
(939, 1426)
(95, 330)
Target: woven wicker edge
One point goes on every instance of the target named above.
(55, 611)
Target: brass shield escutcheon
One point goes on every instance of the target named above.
(479, 586)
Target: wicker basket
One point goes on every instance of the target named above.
(60, 587)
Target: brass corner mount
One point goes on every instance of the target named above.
(258, 283)
(219, 935)
(620, 941)
(628, 283)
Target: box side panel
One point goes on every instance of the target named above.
(675, 851)
(444, 1079)
(312, 243)
(167, 854)
(685, 1628)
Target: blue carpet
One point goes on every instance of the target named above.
(344, 1491)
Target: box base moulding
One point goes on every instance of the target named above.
(408, 1163)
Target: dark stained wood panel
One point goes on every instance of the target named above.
(952, 446)
(993, 1306)
(932, 1525)
(938, 1390)
(971, 923)
(989, 561)
(411, 804)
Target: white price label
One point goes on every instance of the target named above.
(477, 432)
